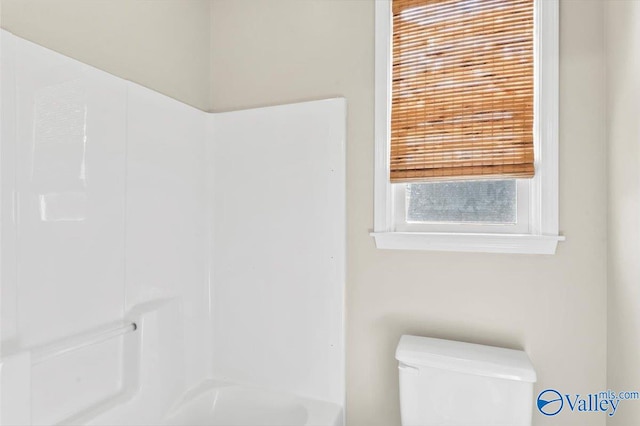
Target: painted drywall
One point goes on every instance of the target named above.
(623, 134)
(269, 52)
(163, 45)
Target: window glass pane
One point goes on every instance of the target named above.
(488, 201)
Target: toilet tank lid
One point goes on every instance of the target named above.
(466, 358)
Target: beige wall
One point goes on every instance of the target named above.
(161, 44)
(268, 52)
(623, 126)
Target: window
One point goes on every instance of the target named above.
(466, 125)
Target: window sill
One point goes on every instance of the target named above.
(480, 243)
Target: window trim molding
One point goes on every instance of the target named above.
(543, 236)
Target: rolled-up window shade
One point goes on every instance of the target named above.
(462, 91)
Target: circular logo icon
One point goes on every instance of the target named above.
(550, 402)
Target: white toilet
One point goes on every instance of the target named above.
(447, 383)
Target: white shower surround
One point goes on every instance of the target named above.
(222, 236)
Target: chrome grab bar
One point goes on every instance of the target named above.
(70, 344)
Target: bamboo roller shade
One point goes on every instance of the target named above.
(462, 92)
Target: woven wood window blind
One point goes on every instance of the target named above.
(462, 91)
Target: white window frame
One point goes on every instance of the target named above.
(541, 235)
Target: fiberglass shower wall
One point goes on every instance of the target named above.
(102, 217)
(221, 236)
(278, 258)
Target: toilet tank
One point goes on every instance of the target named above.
(448, 383)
